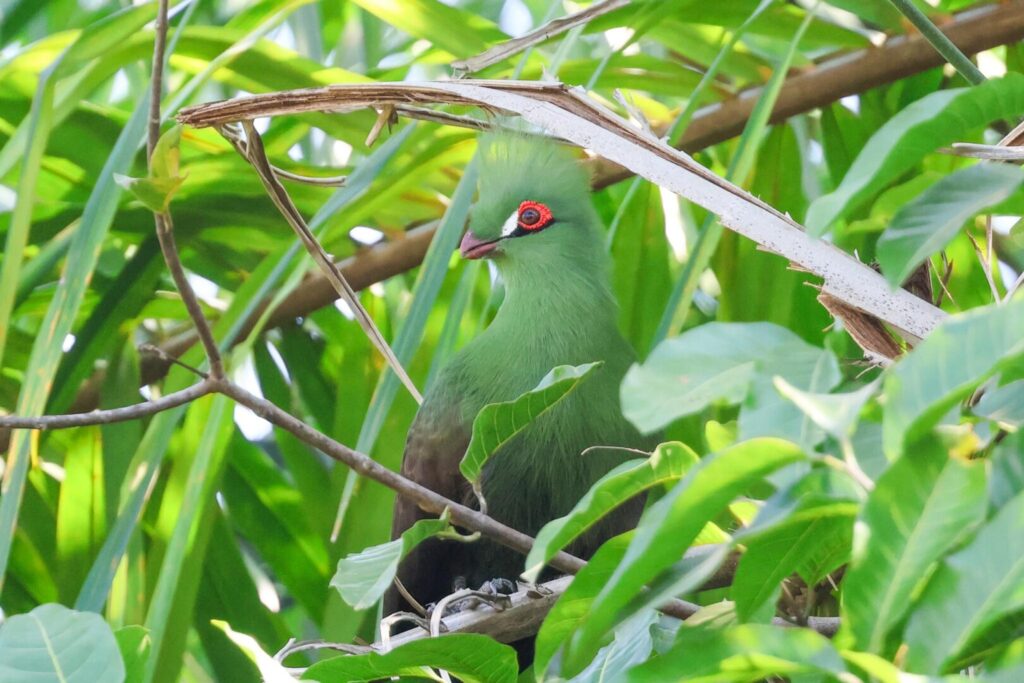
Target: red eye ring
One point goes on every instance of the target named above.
(534, 216)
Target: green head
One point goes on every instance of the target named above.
(533, 216)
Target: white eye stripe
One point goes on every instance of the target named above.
(510, 224)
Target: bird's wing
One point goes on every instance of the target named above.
(436, 443)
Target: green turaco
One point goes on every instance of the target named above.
(535, 221)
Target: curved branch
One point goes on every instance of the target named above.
(102, 417)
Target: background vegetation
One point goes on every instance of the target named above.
(189, 530)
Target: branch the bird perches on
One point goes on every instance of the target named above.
(564, 112)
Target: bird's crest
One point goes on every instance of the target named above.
(519, 165)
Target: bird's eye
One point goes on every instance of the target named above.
(534, 216)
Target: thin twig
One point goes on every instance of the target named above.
(986, 267)
(552, 28)
(257, 157)
(102, 417)
(164, 225)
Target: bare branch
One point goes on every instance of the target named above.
(102, 417)
(567, 114)
(538, 35)
(257, 156)
(164, 225)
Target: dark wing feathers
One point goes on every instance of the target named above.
(436, 443)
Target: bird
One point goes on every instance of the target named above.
(534, 220)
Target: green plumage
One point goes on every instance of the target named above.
(558, 310)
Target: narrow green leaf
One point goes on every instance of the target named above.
(171, 602)
(472, 658)
(53, 643)
(669, 526)
(924, 126)
(572, 608)
(972, 590)
(926, 224)
(497, 423)
(134, 644)
(362, 578)
(48, 346)
(669, 462)
(270, 669)
(922, 505)
(742, 653)
(458, 32)
(959, 354)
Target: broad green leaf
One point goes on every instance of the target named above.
(572, 608)
(54, 643)
(362, 578)
(1003, 404)
(923, 127)
(742, 653)
(631, 645)
(718, 362)
(669, 526)
(669, 462)
(972, 590)
(835, 413)
(784, 550)
(270, 669)
(945, 367)
(921, 507)
(133, 642)
(472, 658)
(497, 423)
(926, 224)
(154, 193)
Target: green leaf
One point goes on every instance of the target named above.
(1003, 404)
(270, 669)
(946, 367)
(154, 193)
(573, 607)
(472, 658)
(719, 362)
(972, 590)
(742, 653)
(835, 413)
(363, 577)
(497, 423)
(669, 526)
(669, 462)
(134, 643)
(921, 506)
(458, 32)
(60, 315)
(784, 550)
(924, 126)
(54, 643)
(926, 224)
(166, 159)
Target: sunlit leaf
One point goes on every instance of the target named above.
(669, 462)
(363, 578)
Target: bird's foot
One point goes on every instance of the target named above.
(493, 593)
